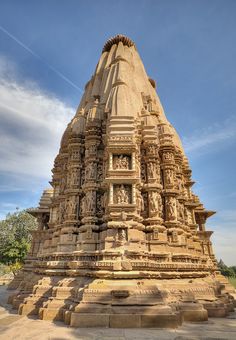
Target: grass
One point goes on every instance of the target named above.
(232, 280)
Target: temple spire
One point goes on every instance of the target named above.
(115, 41)
(121, 225)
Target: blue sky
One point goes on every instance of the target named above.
(49, 50)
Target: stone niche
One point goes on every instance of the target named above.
(122, 194)
(122, 162)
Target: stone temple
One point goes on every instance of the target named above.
(121, 240)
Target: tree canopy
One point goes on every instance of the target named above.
(225, 270)
(15, 236)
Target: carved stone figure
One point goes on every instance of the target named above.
(188, 216)
(153, 202)
(180, 185)
(91, 201)
(140, 202)
(91, 171)
(83, 206)
(122, 195)
(205, 249)
(151, 170)
(62, 212)
(71, 206)
(143, 172)
(75, 177)
(122, 235)
(169, 176)
(171, 208)
(63, 184)
(180, 210)
(121, 163)
(174, 236)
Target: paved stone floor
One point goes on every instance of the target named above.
(13, 326)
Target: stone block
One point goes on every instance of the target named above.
(50, 314)
(195, 315)
(160, 321)
(125, 321)
(193, 312)
(28, 309)
(67, 317)
(89, 320)
(216, 312)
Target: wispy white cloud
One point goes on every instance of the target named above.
(32, 123)
(211, 136)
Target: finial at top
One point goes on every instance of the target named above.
(115, 40)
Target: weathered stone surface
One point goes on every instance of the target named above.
(121, 237)
(89, 320)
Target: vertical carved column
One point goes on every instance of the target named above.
(169, 176)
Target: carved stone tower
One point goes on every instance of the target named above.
(121, 239)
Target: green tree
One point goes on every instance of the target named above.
(15, 237)
(225, 270)
(234, 270)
